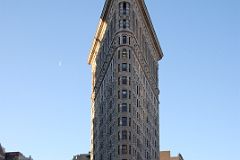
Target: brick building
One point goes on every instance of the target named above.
(166, 155)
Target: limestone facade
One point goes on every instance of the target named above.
(125, 93)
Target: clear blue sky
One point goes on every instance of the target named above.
(45, 82)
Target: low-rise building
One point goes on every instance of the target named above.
(12, 155)
(82, 157)
(166, 155)
(2, 153)
(16, 156)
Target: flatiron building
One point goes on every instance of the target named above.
(125, 94)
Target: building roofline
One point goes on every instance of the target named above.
(100, 31)
(181, 157)
(102, 24)
(151, 28)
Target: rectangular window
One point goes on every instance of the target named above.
(124, 149)
(124, 135)
(124, 8)
(123, 121)
(124, 40)
(124, 66)
(124, 79)
(129, 68)
(124, 53)
(124, 93)
(118, 150)
(124, 107)
(124, 24)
